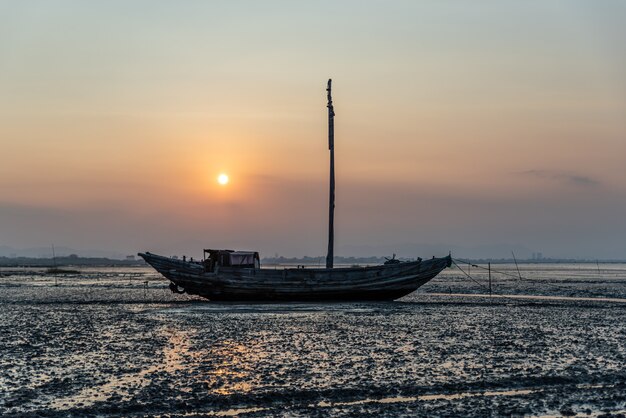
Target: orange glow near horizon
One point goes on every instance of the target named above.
(121, 143)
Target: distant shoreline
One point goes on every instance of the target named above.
(66, 261)
(379, 260)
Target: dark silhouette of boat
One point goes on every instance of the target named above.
(219, 277)
(226, 275)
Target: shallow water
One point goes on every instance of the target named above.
(117, 342)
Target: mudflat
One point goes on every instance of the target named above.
(116, 342)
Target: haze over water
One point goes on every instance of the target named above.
(478, 126)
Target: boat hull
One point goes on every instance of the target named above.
(375, 283)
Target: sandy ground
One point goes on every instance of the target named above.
(106, 343)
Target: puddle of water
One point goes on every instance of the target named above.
(454, 396)
(225, 413)
(401, 399)
(278, 308)
(590, 414)
(533, 297)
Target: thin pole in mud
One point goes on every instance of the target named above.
(515, 259)
(54, 261)
(490, 296)
(598, 265)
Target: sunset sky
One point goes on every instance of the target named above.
(474, 126)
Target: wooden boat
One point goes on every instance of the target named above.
(227, 275)
(214, 280)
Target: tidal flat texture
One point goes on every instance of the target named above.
(116, 342)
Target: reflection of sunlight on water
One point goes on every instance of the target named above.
(234, 364)
(225, 368)
(175, 352)
(123, 387)
(231, 365)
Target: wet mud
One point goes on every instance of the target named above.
(116, 342)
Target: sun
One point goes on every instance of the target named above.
(222, 179)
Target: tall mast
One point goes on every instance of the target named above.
(331, 202)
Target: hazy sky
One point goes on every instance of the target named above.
(491, 124)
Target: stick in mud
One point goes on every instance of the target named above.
(514, 259)
(490, 296)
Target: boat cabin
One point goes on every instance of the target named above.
(230, 258)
